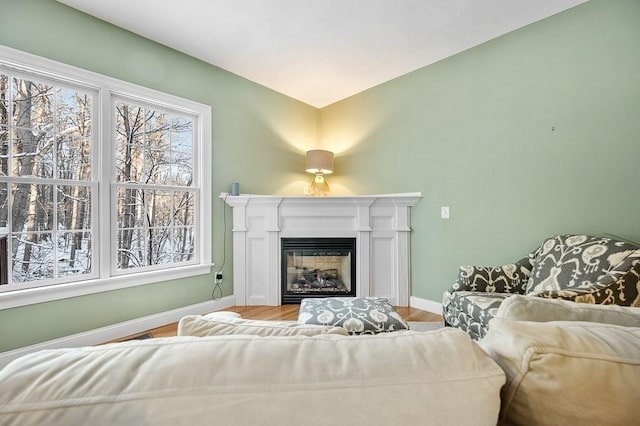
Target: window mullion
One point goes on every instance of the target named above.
(106, 199)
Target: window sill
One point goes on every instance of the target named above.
(35, 295)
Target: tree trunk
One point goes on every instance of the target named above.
(129, 210)
(25, 146)
(31, 224)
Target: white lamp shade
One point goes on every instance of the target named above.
(319, 161)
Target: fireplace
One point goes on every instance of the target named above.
(380, 225)
(317, 267)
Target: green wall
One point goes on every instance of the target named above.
(259, 140)
(531, 134)
(528, 135)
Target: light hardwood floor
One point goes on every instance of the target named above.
(283, 313)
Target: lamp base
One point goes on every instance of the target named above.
(319, 187)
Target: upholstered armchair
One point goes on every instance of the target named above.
(579, 268)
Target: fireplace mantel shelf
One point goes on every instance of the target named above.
(380, 223)
(407, 195)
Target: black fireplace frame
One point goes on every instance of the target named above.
(316, 246)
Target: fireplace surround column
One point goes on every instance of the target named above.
(379, 223)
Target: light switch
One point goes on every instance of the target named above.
(444, 212)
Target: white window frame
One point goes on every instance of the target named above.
(107, 90)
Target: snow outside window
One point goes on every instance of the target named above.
(103, 184)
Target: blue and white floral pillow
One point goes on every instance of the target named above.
(358, 315)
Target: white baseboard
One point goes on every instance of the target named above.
(425, 305)
(116, 331)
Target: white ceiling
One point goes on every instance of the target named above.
(321, 51)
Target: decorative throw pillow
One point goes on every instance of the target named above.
(564, 373)
(215, 325)
(567, 262)
(357, 315)
(538, 309)
(223, 314)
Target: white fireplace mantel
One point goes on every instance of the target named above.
(379, 223)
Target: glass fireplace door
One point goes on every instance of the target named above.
(317, 267)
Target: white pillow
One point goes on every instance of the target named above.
(533, 308)
(201, 326)
(566, 372)
(223, 314)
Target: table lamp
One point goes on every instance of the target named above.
(320, 163)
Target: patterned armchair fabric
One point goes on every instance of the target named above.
(587, 270)
(580, 268)
(510, 278)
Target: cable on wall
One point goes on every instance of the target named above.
(216, 293)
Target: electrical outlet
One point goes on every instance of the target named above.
(444, 212)
(218, 276)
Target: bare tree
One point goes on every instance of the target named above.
(129, 127)
(146, 156)
(31, 104)
(50, 128)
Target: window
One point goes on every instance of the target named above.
(155, 202)
(103, 184)
(46, 180)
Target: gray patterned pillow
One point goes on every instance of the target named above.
(358, 315)
(574, 261)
